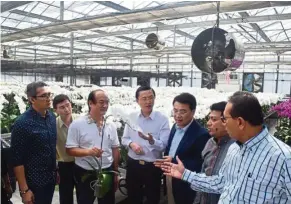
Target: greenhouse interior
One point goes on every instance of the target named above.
(210, 49)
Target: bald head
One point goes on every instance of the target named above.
(98, 102)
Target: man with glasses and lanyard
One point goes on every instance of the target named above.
(33, 147)
(187, 140)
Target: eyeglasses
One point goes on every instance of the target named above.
(223, 118)
(45, 96)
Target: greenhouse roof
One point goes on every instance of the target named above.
(99, 32)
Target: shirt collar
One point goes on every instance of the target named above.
(222, 141)
(184, 129)
(256, 140)
(151, 116)
(37, 114)
(61, 122)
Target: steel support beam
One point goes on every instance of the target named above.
(168, 50)
(120, 8)
(165, 11)
(9, 5)
(256, 27)
(72, 71)
(277, 74)
(33, 15)
(168, 27)
(62, 10)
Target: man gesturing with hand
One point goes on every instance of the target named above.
(145, 145)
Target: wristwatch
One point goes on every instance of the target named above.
(24, 192)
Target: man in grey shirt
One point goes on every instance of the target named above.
(214, 151)
(145, 145)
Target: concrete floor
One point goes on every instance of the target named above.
(16, 199)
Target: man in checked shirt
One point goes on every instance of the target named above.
(257, 168)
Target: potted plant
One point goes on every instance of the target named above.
(103, 183)
(104, 178)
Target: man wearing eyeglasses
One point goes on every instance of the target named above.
(63, 107)
(187, 140)
(33, 145)
(257, 167)
(215, 149)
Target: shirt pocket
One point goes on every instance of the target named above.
(257, 191)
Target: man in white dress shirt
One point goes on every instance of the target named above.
(145, 148)
(92, 136)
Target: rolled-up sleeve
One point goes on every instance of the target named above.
(19, 143)
(73, 136)
(115, 141)
(161, 143)
(126, 140)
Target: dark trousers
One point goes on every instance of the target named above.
(86, 193)
(143, 179)
(4, 197)
(43, 195)
(67, 182)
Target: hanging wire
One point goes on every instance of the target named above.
(216, 25)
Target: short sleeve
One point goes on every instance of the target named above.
(115, 140)
(19, 143)
(73, 136)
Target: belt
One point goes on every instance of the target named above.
(141, 162)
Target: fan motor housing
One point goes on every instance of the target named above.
(223, 54)
(154, 41)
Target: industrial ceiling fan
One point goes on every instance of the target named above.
(215, 50)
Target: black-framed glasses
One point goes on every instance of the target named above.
(223, 118)
(45, 96)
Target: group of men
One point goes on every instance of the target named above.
(235, 161)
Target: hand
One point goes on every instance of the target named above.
(174, 170)
(136, 148)
(95, 152)
(147, 137)
(158, 163)
(28, 198)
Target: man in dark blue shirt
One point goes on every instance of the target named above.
(33, 145)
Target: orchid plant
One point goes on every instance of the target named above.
(104, 178)
(284, 128)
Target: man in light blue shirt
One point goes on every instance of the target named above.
(145, 145)
(177, 139)
(257, 168)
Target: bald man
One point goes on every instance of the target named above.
(91, 136)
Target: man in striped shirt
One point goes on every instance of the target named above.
(257, 168)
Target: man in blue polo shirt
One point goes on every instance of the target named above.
(33, 145)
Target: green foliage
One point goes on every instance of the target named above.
(284, 130)
(9, 113)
